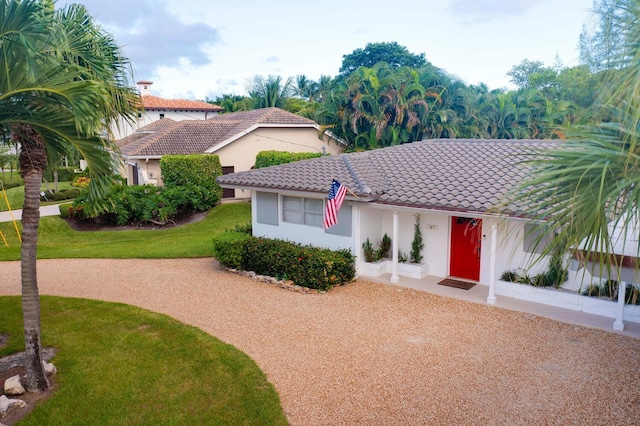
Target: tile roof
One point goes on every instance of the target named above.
(470, 175)
(167, 136)
(155, 103)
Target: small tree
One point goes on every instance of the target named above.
(416, 245)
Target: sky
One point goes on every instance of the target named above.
(198, 49)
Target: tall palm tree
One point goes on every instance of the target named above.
(63, 81)
(270, 91)
(591, 184)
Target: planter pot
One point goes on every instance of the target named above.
(375, 269)
(567, 300)
(413, 270)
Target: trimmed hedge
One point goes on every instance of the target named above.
(273, 158)
(306, 266)
(195, 169)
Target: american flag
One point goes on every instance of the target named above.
(334, 202)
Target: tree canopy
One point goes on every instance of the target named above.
(391, 53)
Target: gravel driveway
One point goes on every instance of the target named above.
(376, 354)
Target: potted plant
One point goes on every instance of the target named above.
(415, 268)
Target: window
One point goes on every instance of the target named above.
(307, 211)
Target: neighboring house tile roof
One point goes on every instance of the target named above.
(155, 103)
(167, 136)
(470, 175)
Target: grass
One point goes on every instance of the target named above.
(16, 196)
(56, 239)
(118, 364)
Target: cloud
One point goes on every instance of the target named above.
(152, 37)
(483, 10)
(272, 59)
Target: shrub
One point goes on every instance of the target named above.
(273, 158)
(10, 185)
(385, 247)
(416, 245)
(228, 249)
(370, 254)
(509, 276)
(307, 266)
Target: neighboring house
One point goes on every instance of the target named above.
(456, 186)
(235, 137)
(156, 108)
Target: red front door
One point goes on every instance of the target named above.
(466, 237)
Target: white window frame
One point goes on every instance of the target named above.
(306, 215)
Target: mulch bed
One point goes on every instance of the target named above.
(87, 225)
(464, 285)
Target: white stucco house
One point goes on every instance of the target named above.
(235, 137)
(155, 108)
(455, 186)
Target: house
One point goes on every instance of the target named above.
(156, 108)
(455, 186)
(235, 137)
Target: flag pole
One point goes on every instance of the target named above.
(348, 190)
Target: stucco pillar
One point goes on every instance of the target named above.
(357, 244)
(618, 324)
(394, 249)
(491, 299)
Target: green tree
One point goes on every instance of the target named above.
(270, 91)
(591, 182)
(391, 53)
(63, 80)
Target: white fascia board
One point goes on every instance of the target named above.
(446, 212)
(141, 157)
(254, 127)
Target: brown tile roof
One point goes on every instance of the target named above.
(155, 103)
(167, 136)
(470, 175)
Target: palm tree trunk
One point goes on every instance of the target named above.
(32, 161)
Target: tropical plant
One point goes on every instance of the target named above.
(589, 186)
(63, 80)
(270, 91)
(416, 245)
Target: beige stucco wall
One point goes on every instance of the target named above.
(241, 153)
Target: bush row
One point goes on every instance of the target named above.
(9, 185)
(148, 203)
(61, 195)
(306, 266)
(64, 174)
(273, 158)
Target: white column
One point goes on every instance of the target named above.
(491, 299)
(394, 249)
(618, 324)
(357, 244)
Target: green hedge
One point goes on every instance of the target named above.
(273, 158)
(307, 266)
(196, 169)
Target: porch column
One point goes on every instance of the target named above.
(357, 244)
(618, 324)
(394, 249)
(491, 299)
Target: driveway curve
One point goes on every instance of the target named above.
(376, 354)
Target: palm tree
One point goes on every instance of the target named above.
(63, 81)
(270, 91)
(579, 190)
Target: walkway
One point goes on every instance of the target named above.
(479, 293)
(50, 210)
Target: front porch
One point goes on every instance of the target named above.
(480, 292)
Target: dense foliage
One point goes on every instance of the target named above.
(190, 186)
(306, 266)
(273, 158)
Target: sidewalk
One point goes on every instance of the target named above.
(52, 210)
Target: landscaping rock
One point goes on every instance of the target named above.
(49, 368)
(7, 405)
(12, 386)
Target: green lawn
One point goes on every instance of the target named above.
(56, 239)
(122, 365)
(16, 196)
